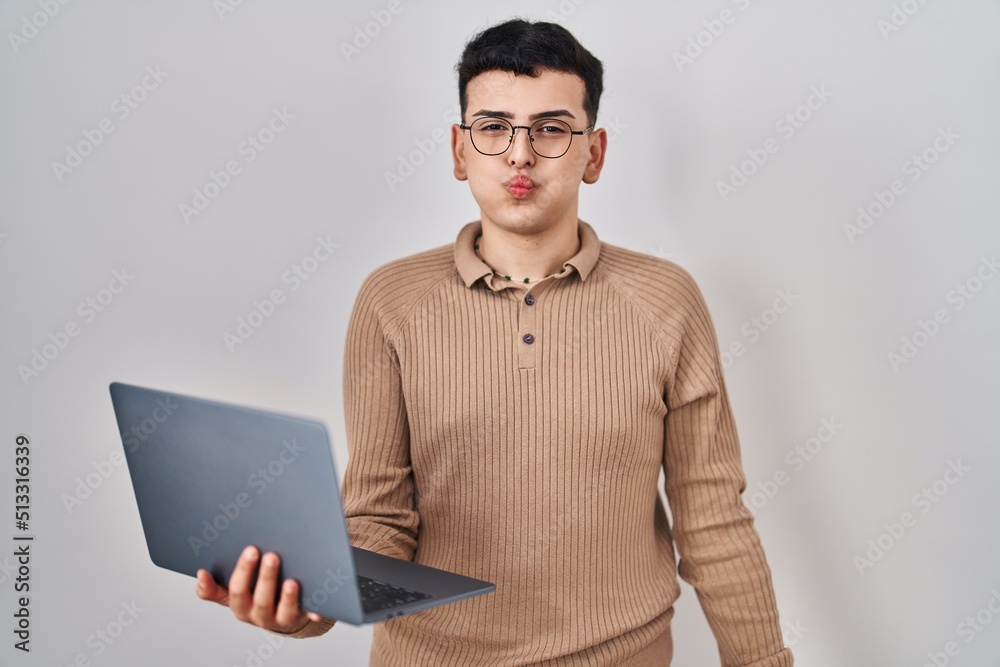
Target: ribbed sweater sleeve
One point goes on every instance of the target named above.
(378, 481)
(719, 550)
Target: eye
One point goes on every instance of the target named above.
(551, 128)
(491, 126)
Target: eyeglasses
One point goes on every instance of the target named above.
(548, 137)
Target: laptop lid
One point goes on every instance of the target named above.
(210, 478)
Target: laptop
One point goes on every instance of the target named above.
(211, 478)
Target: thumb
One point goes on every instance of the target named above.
(318, 618)
(207, 589)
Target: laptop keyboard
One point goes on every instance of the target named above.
(376, 595)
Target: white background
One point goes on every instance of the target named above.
(677, 131)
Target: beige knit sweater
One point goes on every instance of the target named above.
(532, 461)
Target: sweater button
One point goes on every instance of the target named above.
(530, 299)
(529, 339)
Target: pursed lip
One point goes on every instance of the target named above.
(520, 185)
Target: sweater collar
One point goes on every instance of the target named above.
(471, 268)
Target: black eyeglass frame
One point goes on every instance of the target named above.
(531, 138)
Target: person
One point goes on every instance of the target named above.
(510, 399)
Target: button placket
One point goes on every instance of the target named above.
(528, 336)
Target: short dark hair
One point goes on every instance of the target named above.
(524, 48)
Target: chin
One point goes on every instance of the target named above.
(523, 225)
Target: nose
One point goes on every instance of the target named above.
(521, 152)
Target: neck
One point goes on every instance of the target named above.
(532, 256)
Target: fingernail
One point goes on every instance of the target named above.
(250, 553)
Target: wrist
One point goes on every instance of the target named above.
(290, 632)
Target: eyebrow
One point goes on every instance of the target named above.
(535, 116)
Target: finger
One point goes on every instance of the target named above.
(239, 583)
(288, 613)
(264, 592)
(207, 589)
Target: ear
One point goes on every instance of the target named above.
(458, 152)
(598, 149)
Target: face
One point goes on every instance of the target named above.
(553, 194)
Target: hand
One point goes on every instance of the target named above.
(259, 608)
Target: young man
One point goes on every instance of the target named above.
(511, 398)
